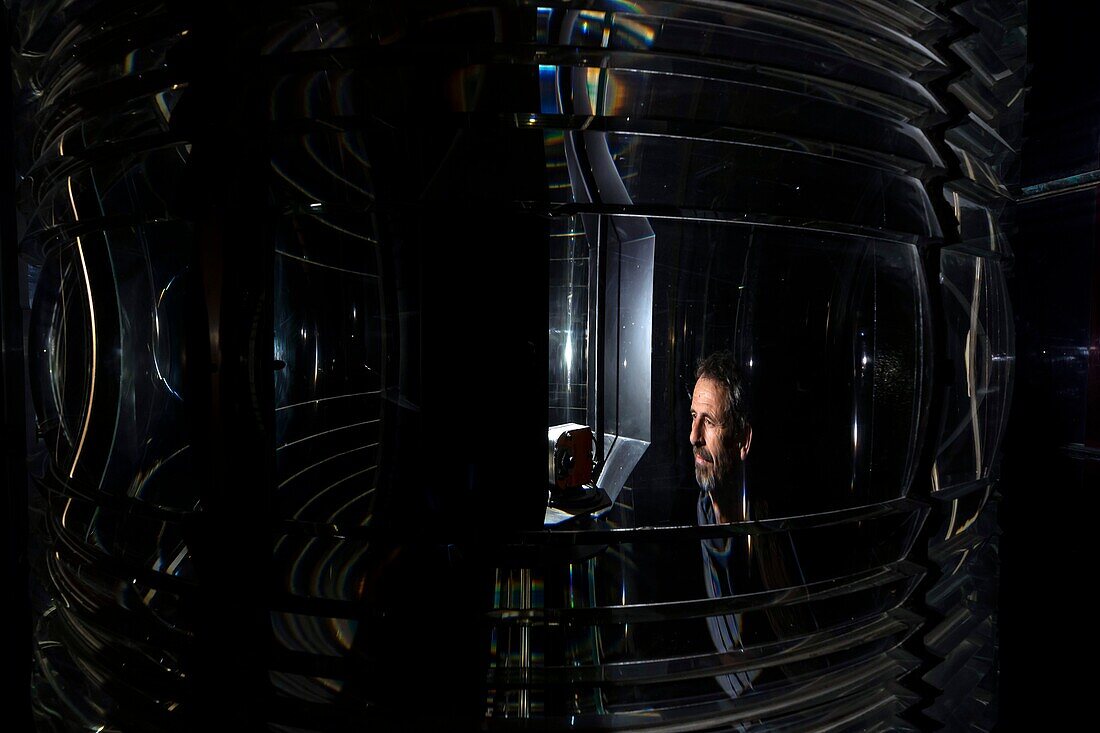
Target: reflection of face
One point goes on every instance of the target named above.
(713, 438)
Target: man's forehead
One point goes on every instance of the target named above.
(708, 393)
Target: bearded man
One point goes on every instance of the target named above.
(720, 436)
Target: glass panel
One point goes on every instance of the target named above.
(981, 346)
(105, 359)
(979, 217)
(328, 385)
(728, 204)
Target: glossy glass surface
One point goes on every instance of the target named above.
(106, 263)
(328, 334)
(982, 347)
(979, 340)
(683, 179)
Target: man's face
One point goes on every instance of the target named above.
(713, 439)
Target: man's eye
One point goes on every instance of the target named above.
(709, 422)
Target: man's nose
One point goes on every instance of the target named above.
(696, 436)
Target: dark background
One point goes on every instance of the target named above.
(1050, 455)
(1052, 444)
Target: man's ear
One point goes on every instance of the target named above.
(746, 441)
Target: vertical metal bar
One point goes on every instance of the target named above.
(1092, 415)
(596, 311)
(16, 647)
(229, 370)
(525, 643)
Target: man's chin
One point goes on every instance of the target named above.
(705, 480)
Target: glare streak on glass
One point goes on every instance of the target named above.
(290, 179)
(310, 467)
(141, 480)
(171, 569)
(156, 330)
(316, 360)
(326, 432)
(86, 418)
(320, 493)
(325, 399)
(974, 339)
(58, 383)
(65, 511)
(315, 263)
(334, 173)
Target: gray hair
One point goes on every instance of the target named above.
(722, 368)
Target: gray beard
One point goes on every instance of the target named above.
(707, 482)
(722, 485)
(720, 473)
